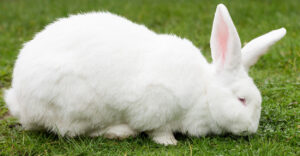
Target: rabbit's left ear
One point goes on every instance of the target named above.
(225, 43)
(259, 46)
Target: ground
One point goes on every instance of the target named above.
(276, 74)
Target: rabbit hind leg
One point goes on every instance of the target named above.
(119, 132)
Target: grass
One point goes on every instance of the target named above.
(277, 74)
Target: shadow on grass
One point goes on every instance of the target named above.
(142, 139)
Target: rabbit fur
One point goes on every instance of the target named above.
(99, 74)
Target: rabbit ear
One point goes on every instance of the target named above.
(259, 46)
(225, 43)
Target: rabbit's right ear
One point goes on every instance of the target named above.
(225, 43)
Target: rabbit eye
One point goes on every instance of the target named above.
(243, 100)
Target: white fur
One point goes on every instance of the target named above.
(101, 74)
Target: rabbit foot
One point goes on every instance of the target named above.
(119, 132)
(164, 138)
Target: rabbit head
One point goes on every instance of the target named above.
(238, 111)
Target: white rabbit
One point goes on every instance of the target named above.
(100, 74)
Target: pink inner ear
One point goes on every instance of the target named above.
(222, 37)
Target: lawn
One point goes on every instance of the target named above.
(277, 74)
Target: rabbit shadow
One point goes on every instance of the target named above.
(225, 137)
(141, 139)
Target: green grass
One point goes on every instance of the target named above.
(277, 74)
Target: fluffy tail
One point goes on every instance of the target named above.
(12, 102)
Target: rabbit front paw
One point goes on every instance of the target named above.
(119, 132)
(164, 138)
